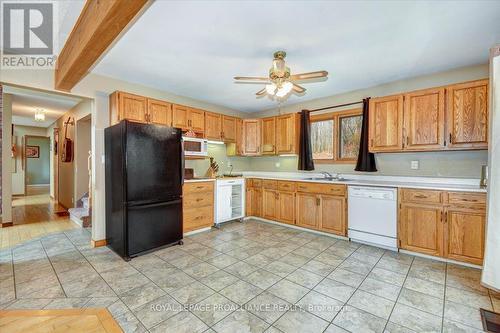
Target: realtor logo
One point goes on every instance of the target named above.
(28, 34)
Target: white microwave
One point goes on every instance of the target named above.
(194, 146)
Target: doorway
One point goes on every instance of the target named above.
(37, 165)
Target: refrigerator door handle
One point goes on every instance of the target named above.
(182, 161)
(156, 204)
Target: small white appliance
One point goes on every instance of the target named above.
(229, 200)
(372, 215)
(195, 146)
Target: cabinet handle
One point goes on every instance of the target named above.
(421, 196)
(317, 201)
(407, 141)
(469, 200)
(450, 138)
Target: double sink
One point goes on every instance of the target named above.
(328, 179)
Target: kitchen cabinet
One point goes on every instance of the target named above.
(213, 126)
(421, 228)
(197, 205)
(424, 120)
(286, 202)
(254, 197)
(188, 118)
(229, 129)
(159, 112)
(287, 134)
(270, 204)
(467, 115)
(239, 137)
(269, 136)
(307, 207)
(442, 223)
(332, 217)
(127, 106)
(386, 123)
(251, 135)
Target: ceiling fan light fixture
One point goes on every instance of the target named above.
(39, 115)
(285, 89)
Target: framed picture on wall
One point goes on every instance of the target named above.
(32, 151)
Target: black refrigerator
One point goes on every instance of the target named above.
(144, 177)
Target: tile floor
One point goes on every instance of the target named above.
(247, 277)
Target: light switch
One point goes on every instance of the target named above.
(414, 165)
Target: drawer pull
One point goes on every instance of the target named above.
(421, 196)
(469, 200)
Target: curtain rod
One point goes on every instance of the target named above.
(335, 106)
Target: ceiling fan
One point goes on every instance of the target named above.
(280, 81)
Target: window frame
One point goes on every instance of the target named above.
(336, 117)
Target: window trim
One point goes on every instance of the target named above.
(336, 117)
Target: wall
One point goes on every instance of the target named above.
(440, 164)
(218, 152)
(67, 169)
(82, 147)
(18, 175)
(37, 169)
(5, 170)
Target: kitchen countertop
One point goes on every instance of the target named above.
(197, 180)
(431, 183)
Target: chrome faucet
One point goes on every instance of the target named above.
(327, 174)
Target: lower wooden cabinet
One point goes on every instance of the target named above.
(286, 207)
(307, 210)
(333, 214)
(421, 229)
(465, 232)
(452, 227)
(253, 198)
(270, 204)
(197, 205)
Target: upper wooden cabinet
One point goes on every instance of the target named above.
(187, 118)
(269, 136)
(159, 112)
(386, 123)
(229, 129)
(287, 134)
(213, 126)
(424, 120)
(445, 118)
(251, 135)
(127, 106)
(467, 115)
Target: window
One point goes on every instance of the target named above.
(335, 136)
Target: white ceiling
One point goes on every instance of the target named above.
(194, 48)
(25, 102)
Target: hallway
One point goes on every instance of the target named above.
(34, 215)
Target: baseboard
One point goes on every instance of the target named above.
(37, 185)
(451, 261)
(194, 232)
(98, 243)
(6, 224)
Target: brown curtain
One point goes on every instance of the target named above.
(366, 160)
(305, 149)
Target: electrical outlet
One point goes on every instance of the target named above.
(415, 165)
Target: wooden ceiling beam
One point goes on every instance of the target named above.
(99, 23)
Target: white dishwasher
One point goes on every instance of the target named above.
(229, 200)
(372, 215)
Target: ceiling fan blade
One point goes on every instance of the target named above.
(298, 88)
(310, 75)
(261, 92)
(251, 78)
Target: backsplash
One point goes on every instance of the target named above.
(218, 152)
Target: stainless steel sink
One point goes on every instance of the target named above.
(328, 179)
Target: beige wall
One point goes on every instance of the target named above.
(440, 164)
(82, 147)
(19, 175)
(6, 156)
(218, 152)
(67, 169)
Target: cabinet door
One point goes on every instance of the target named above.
(332, 215)
(257, 202)
(424, 120)
(132, 107)
(386, 123)
(251, 136)
(239, 136)
(270, 204)
(287, 134)
(467, 115)
(249, 202)
(286, 207)
(229, 129)
(159, 112)
(197, 120)
(269, 136)
(180, 116)
(213, 126)
(421, 229)
(307, 206)
(465, 234)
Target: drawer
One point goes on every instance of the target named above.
(476, 200)
(256, 182)
(197, 187)
(196, 200)
(270, 184)
(196, 218)
(421, 196)
(286, 186)
(332, 189)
